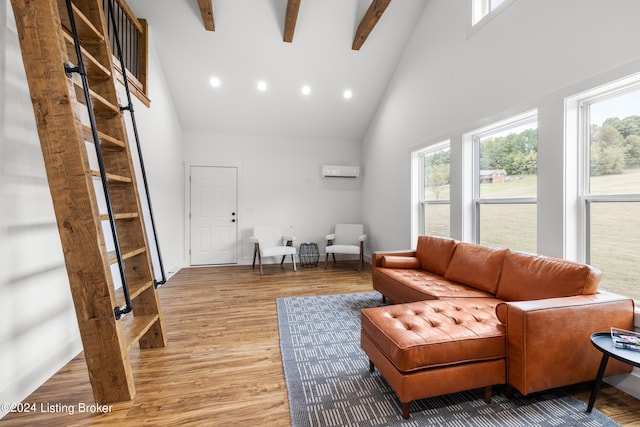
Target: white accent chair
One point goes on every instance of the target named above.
(270, 242)
(346, 239)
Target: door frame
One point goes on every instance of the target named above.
(187, 208)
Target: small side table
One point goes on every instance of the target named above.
(309, 254)
(602, 341)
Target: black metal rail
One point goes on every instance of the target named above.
(128, 36)
(129, 107)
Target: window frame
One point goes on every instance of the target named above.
(585, 197)
(483, 8)
(418, 190)
(477, 201)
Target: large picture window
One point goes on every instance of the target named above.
(505, 183)
(610, 186)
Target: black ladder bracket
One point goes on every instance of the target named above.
(70, 69)
(119, 312)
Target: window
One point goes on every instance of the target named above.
(433, 176)
(609, 185)
(505, 183)
(481, 9)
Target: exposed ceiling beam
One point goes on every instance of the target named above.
(290, 20)
(206, 10)
(369, 20)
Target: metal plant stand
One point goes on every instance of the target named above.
(309, 254)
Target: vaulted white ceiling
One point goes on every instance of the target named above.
(247, 46)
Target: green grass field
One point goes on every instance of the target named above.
(615, 227)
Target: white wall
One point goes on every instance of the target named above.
(280, 184)
(161, 141)
(532, 55)
(38, 331)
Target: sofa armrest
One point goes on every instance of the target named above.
(376, 257)
(394, 261)
(549, 340)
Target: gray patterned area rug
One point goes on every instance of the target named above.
(329, 383)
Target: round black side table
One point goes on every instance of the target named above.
(309, 254)
(602, 341)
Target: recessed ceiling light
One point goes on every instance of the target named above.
(306, 90)
(347, 94)
(262, 85)
(214, 81)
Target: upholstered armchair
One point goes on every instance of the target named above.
(269, 241)
(346, 239)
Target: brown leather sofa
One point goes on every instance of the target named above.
(468, 316)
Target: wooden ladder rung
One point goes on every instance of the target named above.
(134, 327)
(112, 177)
(106, 141)
(88, 33)
(100, 104)
(93, 65)
(135, 289)
(125, 255)
(119, 216)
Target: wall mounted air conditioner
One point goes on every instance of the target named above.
(332, 171)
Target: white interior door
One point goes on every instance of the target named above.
(214, 218)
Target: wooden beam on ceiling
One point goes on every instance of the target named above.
(206, 10)
(290, 20)
(369, 20)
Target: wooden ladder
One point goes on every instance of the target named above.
(94, 189)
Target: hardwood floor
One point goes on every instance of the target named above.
(222, 365)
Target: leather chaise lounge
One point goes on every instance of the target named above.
(468, 316)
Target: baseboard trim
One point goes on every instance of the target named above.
(629, 383)
(171, 271)
(67, 353)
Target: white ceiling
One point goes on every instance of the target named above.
(247, 46)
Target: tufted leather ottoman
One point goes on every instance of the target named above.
(436, 347)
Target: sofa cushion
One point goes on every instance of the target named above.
(434, 253)
(391, 261)
(428, 334)
(476, 265)
(531, 277)
(416, 285)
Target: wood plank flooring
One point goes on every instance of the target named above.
(222, 365)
